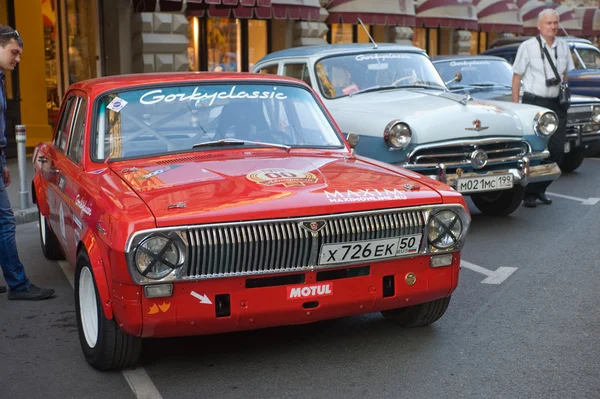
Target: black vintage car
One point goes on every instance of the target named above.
(583, 80)
(490, 78)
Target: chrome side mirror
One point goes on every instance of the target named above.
(352, 139)
(457, 78)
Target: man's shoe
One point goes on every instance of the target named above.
(32, 293)
(2, 289)
(544, 199)
(529, 202)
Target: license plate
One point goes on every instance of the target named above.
(484, 183)
(369, 250)
(567, 146)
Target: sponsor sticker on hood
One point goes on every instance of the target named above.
(281, 176)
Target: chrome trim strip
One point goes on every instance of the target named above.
(451, 143)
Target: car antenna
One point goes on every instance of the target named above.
(367, 32)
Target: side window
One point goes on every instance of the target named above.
(64, 126)
(78, 133)
(269, 69)
(298, 71)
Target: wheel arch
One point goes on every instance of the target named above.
(90, 245)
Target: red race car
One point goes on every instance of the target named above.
(198, 203)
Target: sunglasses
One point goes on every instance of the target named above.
(14, 33)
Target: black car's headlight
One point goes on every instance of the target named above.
(444, 230)
(545, 123)
(158, 255)
(397, 135)
(596, 113)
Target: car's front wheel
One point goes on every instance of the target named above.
(572, 160)
(105, 346)
(48, 240)
(499, 203)
(418, 315)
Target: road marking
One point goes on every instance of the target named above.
(584, 201)
(493, 277)
(139, 381)
(594, 159)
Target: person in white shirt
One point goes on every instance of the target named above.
(541, 88)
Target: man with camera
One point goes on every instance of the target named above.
(542, 63)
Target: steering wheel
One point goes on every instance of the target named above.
(275, 136)
(414, 79)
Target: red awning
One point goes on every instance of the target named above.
(459, 14)
(381, 12)
(263, 9)
(590, 18)
(499, 16)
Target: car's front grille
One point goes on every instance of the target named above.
(459, 153)
(579, 114)
(284, 245)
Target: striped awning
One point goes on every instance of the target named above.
(458, 14)
(380, 12)
(590, 20)
(499, 16)
(531, 8)
(262, 9)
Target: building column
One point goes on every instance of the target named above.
(401, 35)
(462, 42)
(310, 33)
(32, 71)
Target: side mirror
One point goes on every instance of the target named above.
(457, 78)
(352, 139)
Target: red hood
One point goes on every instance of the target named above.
(193, 190)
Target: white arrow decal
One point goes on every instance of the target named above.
(203, 298)
(496, 277)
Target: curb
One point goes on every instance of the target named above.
(26, 215)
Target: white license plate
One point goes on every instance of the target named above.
(369, 250)
(484, 183)
(567, 146)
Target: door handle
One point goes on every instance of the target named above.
(54, 171)
(42, 159)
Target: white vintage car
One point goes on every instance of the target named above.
(394, 98)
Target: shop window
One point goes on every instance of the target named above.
(224, 45)
(482, 42)
(257, 41)
(341, 33)
(50, 36)
(81, 40)
(432, 42)
(362, 36)
(419, 38)
(298, 71)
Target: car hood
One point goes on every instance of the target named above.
(505, 94)
(433, 115)
(193, 190)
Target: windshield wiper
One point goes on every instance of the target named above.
(226, 142)
(485, 84)
(420, 86)
(372, 88)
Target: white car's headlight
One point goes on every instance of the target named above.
(158, 255)
(444, 230)
(596, 113)
(397, 135)
(545, 123)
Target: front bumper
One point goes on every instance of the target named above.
(581, 134)
(183, 313)
(523, 175)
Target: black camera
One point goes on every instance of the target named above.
(552, 82)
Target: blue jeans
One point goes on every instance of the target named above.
(12, 268)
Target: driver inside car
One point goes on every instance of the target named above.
(242, 120)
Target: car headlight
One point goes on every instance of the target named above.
(596, 113)
(158, 255)
(397, 135)
(444, 230)
(545, 123)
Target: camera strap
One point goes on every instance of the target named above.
(544, 50)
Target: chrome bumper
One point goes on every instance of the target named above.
(578, 137)
(523, 175)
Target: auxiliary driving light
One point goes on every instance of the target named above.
(441, 260)
(158, 290)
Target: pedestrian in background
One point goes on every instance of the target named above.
(541, 87)
(11, 47)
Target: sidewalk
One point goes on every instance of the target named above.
(29, 214)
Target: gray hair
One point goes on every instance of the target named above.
(547, 11)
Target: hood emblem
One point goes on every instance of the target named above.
(477, 126)
(479, 159)
(313, 226)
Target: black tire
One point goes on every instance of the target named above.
(418, 315)
(572, 160)
(499, 203)
(48, 240)
(113, 348)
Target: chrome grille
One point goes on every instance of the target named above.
(579, 114)
(285, 246)
(459, 153)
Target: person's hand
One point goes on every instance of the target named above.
(6, 176)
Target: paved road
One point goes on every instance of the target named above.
(534, 335)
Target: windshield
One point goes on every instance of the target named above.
(476, 72)
(344, 75)
(166, 119)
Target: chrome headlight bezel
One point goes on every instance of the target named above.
(397, 135)
(596, 113)
(438, 221)
(164, 255)
(545, 123)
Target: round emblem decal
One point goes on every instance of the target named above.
(479, 159)
(280, 176)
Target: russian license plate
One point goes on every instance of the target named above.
(369, 250)
(567, 146)
(484, 183)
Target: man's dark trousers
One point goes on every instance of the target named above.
(556, 145)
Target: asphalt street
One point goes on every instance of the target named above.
(534, 334)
